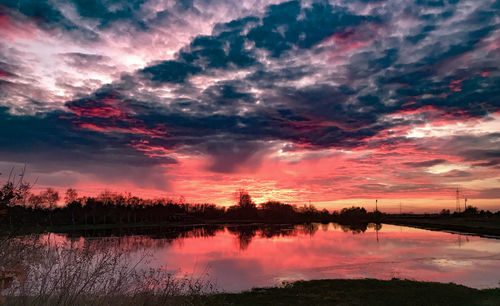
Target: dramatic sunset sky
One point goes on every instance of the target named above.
(334, 102)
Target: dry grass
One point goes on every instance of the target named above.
(35, 273)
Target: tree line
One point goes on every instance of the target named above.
(20, 206)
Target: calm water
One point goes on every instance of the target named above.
(239, 258)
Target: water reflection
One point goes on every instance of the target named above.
(158, 237)
(239, 257)
(461, 239)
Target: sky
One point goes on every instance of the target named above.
(334, 103)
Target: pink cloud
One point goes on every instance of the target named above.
(12, 30)
(109, 128)
(456, 85)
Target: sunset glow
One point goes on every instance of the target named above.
(334, 103)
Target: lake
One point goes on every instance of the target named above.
(241, 257)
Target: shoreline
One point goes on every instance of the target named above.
(489, 229)
(313, 292)
(364, 292)
(68, 229)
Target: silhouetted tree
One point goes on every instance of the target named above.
(245, 200)
(35, 201)
(70, 196)
(72, 204)
(245, 208)
(445, 212)
(244, 235)
(274, 210)
(50, 198)
(471, 211)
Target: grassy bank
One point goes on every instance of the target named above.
(363, 292)
(469, 225)
(315, 292)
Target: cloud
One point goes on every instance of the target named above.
(490, 193)
(50, 145)
(143, 82)
(170, 71)
(83, 60)
(427, 163)
(355, 112)
(229, 157)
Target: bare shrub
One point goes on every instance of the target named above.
(83, 275)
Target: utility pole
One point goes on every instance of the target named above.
(376, 204)
(465, 205)
(458, 200)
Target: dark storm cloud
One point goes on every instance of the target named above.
(320, 115)
(282, 29)
(490, 193)
(483, 147)
(109, 11)
(46, 16)
(226, 50)
(229, 156)
(492, 163)
(227, 94)
(84, 60)
(476, 154)
(399, 188)
(170, 71)
(42, 11)
(427, 163)
(279, 31)
(51, 14)
(457, 174)
(51, 143)
(7, 70)
(54, 133)
(315, 74)
(479, 150)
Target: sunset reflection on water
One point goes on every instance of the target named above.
(242, 257)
